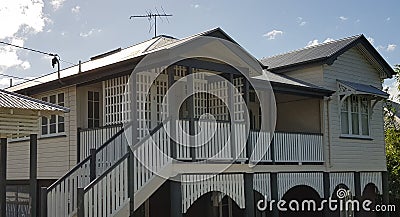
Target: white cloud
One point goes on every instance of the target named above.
(57, 4)
(342, 18)
(391, 47)
(328, 40)
(17, 20)
(76, 9)
(272, 34)
(388, 19)
(393, 91)
(195, 5)
(89, 33)
(371, 40)
(316, 42)
(301, 21)
(312, 43)
(19, 15)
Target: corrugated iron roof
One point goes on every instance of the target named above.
(307, 54)
(363, 88)
(152, 45)
(17, 101)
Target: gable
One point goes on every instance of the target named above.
(353, 66)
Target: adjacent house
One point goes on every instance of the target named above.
(314, 126)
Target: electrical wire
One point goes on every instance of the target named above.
(30, 49)
(19, 78)
(37, 51)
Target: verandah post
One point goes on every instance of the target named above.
(191, 109)
(3, 175)
(43, 202)
(33, 183)
(78, 145)
(92, 164)
(249, 195)
(81, 202)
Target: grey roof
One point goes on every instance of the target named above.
(281, 79)
(324, 53)
(17, 101)
(308, 54)
(368, 89)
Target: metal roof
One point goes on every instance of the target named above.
(307, 54)
(323, 53)
(364, 89)
(280, 79)
(17, 101)
(150, 46)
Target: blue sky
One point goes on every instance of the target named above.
(79, 29)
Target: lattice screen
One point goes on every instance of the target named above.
(200, 99)
(238, 104)
(116, 102)
(217, 107)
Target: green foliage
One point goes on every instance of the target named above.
(392, 139)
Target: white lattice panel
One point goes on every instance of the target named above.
(229, 184)
(238, 101)
(218, 94)
(116, 102)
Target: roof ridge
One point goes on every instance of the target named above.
(314, 46)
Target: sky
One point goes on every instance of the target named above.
(79, 29)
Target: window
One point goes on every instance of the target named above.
(56, 123)
(93, 109)
(354, 115)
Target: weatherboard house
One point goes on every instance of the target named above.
(327, 131)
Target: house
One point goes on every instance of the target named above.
(301, 125)
(19, 117)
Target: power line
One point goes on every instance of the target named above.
(19, 78)
(30, 49)
(37, 51)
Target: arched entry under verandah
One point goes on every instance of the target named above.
(307, 201)
(214, 204)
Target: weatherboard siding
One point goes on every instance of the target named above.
(56, 155)
(355, 154)
(311, 75)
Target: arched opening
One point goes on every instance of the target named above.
(214, 204)
(336, 210)
(370, 193)
(297, 198)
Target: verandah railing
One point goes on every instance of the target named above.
(93, 138)
(62, 195)
(109, 192)
(288, 147)
(214, 140)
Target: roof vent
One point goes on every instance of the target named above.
(105, 54)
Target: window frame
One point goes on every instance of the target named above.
(59, 119)
(359, 113)
(93, 102)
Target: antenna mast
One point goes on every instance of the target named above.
(150, 16)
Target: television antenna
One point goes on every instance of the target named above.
(153, 17)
